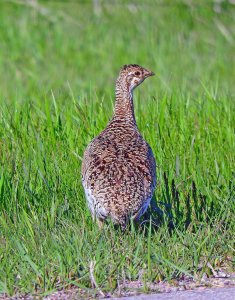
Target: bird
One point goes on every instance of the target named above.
(118, 166)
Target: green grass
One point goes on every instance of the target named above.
(58, 64)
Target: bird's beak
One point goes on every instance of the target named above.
(148, 73)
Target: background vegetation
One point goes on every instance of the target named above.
(58, 64)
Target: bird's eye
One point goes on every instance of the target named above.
(137, 73)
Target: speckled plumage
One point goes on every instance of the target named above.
(118, 168)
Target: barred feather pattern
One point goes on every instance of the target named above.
(118, 168)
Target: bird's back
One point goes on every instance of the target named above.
(118, 173)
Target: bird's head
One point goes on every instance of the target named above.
(134, 75)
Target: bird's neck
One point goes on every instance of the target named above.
(124, 107)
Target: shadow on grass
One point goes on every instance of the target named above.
(181, 208)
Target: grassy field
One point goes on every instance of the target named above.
(58, 64)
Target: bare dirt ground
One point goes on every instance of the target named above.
(134, 288)
(197, 294)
